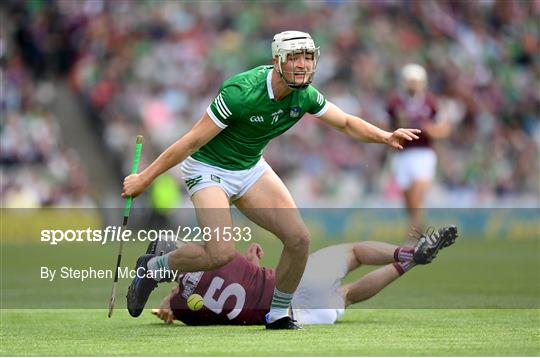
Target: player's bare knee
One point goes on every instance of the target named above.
(298, 242)
(360, 249)
(220, 258)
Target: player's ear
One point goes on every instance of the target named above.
(275, 63)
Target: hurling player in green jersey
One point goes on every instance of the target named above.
(222, 164)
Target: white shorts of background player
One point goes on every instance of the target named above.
(412, 165)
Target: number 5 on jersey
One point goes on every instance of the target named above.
(216, 304)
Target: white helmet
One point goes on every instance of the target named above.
(414, 78)
(412, 71)
(290, 43)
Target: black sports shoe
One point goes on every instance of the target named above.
(140, 288)
(430, 243)
(161, 246)
(283, 323)
(152, 247)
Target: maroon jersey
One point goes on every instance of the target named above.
(239, 293)
(411, 112)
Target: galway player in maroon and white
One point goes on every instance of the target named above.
(414, 167)
(240, 292)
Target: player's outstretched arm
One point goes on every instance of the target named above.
(201, 133)
(360, 129)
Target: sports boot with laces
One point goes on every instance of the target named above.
(430, 243)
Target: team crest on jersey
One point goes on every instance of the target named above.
(295, 112)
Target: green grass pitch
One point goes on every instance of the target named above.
(386, 332)
(479, 298)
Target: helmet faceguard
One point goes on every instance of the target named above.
(295, 46)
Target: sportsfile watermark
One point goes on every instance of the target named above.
(119, 233)
(61, 255)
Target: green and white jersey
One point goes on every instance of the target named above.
(250, 117)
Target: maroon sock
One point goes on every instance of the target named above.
(403, 267)
(403, 254)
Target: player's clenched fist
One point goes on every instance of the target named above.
(254, 254)
(255, 250)
(133, 186)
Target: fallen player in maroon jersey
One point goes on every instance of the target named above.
(240, 292)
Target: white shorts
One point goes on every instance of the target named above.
(317, 299)
(235, 183)
(413, 165)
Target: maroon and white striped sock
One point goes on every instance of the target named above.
(403, 254)
(403, 267)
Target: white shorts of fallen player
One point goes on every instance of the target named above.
(235, 183)
(317, 299)
(415, 164)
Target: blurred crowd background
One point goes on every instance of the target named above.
(152, 67)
